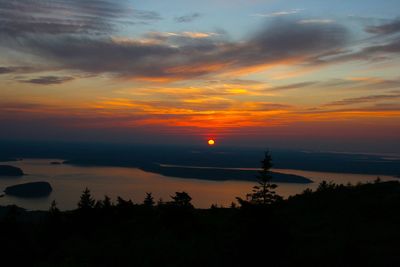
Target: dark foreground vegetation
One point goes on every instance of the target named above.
(336, 225)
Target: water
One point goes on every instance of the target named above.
(69, 181)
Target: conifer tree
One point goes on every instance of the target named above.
(107, 204)
(149, 200)
(263, 193)
(86, 202)
(53, 208)
(182, 199)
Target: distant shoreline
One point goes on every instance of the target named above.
(201, 171)
(227, 157)
(190, 172)
(129, 180)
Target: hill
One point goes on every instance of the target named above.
(335, 225)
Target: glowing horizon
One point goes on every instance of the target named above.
(261, 72)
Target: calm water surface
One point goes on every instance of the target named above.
(68, 181)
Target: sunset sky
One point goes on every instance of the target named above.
(287, 73)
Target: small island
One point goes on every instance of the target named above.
(3, 159)
(56, 163)
(30, 190)
(8, 170)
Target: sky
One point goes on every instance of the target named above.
(321, 75)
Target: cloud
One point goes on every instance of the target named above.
(280, 13)
(390, 47)
(377, 83)
(291, 86)
(187, 18)
(9, 70)
(187, 34)
(316, 21)
(15, 106)
(378, 48)
(48, 80)
(279, 43)
(385, 29)
(370, 53)
(6, 70)
(68, 16)
(364, 99)
(357, 84)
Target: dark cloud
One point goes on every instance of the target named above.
(11, 107)
(291, 86)
(387, 28)
(388, 106)
(105, 55)
(48, 80)
(279, 42)
(187, 18)
(286, 40)
(6, 70)
(390, 47)
(234, 81)
(67, 16)
(364, 99)
(385, 84)
(362, 84)
(373, 53)
(9, 70)
(262, 106)
(380, 47)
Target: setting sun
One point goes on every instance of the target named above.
(211, 142)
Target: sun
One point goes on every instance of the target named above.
(211, 142)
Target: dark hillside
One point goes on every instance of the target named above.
(334, 226)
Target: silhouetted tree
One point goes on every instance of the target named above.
(325, 186)
(54, 213)
(243, 202)
(107, 204)
(86, 202)
(104, 204)
(122, 203)
(53, 208)
(124, 207)
(263, 193)
(98, 205)
(182, 199)
(307, 191)
(160, 202)
(149, 200)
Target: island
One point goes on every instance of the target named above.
(30, 190)
(221, 174)
(3, 159)
(55, 163)
(193, 172)
(8, 170)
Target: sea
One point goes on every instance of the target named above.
(68, 182)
